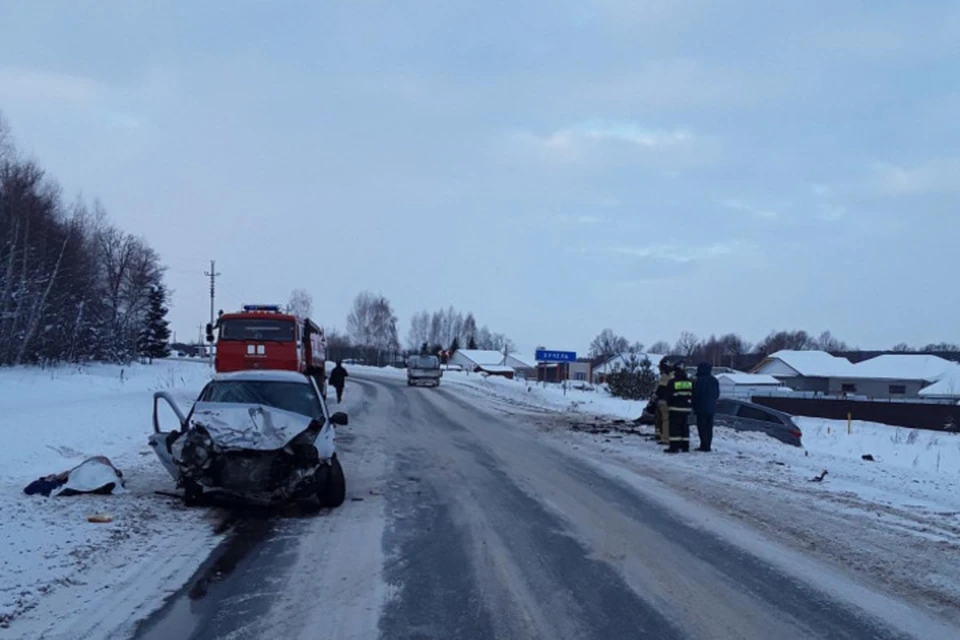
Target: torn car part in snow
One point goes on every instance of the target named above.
(93, 475)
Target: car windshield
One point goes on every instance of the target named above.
(265, 330)
(290, 396)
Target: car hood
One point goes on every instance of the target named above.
(253, 427)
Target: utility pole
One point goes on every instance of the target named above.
(212, 274)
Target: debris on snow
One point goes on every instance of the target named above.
(66, 418)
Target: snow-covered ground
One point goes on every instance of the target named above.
(53, 561)
(894, 520)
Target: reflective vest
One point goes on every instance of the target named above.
(680, 397)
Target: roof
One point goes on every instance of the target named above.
(905, 367)
(495, 368)
(479, 356)
(813, 364)
(948, 386)
(522, 361)
(263, 375)
(749, 378)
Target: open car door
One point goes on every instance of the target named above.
(160, 440)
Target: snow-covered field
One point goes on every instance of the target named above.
(53, 561)
(894, 520)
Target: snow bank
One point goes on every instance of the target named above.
(928, 451)
(50, 421)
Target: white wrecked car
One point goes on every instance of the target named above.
(260, 436)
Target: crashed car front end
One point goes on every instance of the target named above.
(252, 452)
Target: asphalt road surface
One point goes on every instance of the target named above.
(463, 522)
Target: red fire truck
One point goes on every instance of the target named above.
(263, 337)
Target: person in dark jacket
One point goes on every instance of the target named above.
(706, 392)
(338, 378)
(680, 403)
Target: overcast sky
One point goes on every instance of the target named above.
(555, 166)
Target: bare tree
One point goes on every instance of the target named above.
(419, 332)
(469, 331)
(660, 347)
(826, 342)
(942, 347)
(360, 321)
(786, 341)
(72, 286)
(300, 303)
(372, 324)
(903, 347)
(687, 344)
(608, 344)
(436, 328)
(503, 344)
(485, 339)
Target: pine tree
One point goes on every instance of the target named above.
(154, 337)
(455, 345)
(472, 343)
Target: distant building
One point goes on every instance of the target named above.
(475, 359)
(887, 376)
(746, 385)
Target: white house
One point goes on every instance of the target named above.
(885, 376)
(746, 385)
(475, 359)
(805, 370)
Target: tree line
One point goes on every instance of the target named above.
(451, 330)
(372, 331)
(73, 287)
(729, 347)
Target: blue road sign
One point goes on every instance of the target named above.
(543, 355)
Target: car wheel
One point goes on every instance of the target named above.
(334, 490)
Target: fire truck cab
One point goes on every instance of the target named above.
(263, 337)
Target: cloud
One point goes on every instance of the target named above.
(617, 131)
(759, 212)
(831, 212)
(677, 253)
(940, 175)
(29, 85)
(571, 143)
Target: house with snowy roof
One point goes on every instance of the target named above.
(805, 370)
(490, 361)
(885, 376)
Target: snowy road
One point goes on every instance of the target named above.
(463, 522)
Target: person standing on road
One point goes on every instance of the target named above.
(680, 403)
(706, 392)
(662, 417)
(338, 378)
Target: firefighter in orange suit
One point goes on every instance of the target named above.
(680, 404)
(662, 428)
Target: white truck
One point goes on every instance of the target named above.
(423, 370)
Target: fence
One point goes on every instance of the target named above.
(936, 416)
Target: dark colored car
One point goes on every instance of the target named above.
(747, 416)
